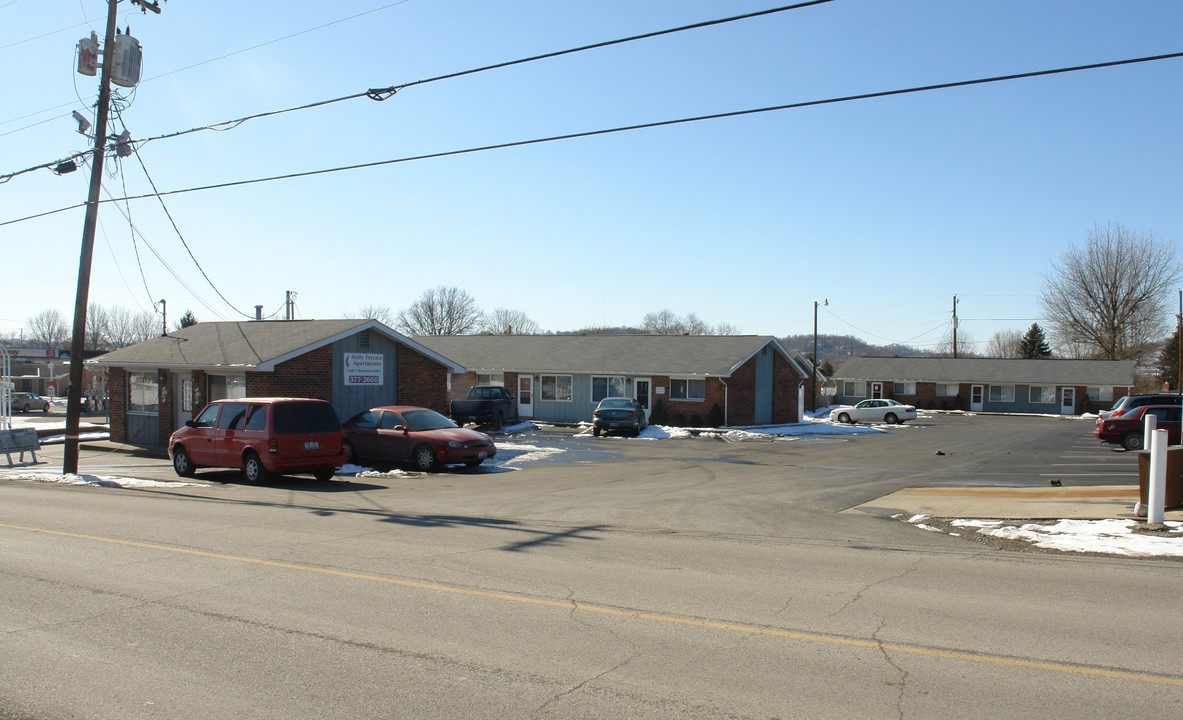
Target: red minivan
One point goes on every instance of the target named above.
(261, 436)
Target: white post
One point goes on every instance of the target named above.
(1156, 495)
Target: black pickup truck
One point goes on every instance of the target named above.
(486, 404)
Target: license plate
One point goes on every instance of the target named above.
(482, 454)
(611, 424)
(312, 445)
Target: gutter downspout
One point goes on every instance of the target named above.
(726, 400)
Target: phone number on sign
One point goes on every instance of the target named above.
(363, 380)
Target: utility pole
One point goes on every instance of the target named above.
(813, 377)
(77, 342)
(954, 326)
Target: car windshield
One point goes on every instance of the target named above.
(1117, 404)
(426, 420)
(617, 403)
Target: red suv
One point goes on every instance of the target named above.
(261, 436)
(1128, 429)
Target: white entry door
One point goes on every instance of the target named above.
(183, 399)
(525, 396)
(1068, 401)
(976, 397)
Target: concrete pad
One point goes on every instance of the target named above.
(1010, 503)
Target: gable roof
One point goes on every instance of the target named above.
(607, 354)
(257, 345)
(1095, 373)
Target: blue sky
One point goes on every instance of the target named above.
(886, 207)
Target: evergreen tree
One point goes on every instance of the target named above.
(1168, 362)
(1034, 345)
(187, 320)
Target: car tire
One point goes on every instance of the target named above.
(1133, 441)
(891, 419)
(844, 418)
(350, 453)
(26, 407)
(423, 458)
(596, 431)
(45, 409)
(498, 422)
(324, 474)
(182, 463)
(252, 469)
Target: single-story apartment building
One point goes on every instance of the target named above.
(355, 364)
(689, 380)
(1064, 387)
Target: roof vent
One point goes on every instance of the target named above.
(363, 340)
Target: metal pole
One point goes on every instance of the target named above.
(813, 373)
(77, 342)
(954, 326)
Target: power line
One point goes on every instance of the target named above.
(625, 128)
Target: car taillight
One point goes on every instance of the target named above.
(631, 413)
(596, 413)
(273, 445)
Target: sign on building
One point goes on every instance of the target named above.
(364, 368)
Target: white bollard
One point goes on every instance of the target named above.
(1149, 423)
(1156, 495)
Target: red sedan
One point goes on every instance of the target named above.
(1128, 429)
(422, 437)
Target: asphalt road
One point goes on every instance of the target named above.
(690, 578)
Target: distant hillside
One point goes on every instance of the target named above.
(837, 348)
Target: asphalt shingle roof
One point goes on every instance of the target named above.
(1094, 373)
(608, 354)
(250, 345)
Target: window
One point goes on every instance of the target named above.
(556, 388)
(226, 386)
(256, 418)
(947, 389)
(1043, 394)
(207, 417)
(368, 420)
(851, 388)
(1002, 393)
(231, 417)
(688, 389)
(607, 387)
(497, 379)
(143, 392)
(1100, 394)
(905, 388)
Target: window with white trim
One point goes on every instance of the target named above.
(688, 389)
(1002, 393)
(497, 379)
(947, 389)
(556, 388)
(1043, 395)
(1101, 394)
(904, 388)
(611, 386)
(854, 388)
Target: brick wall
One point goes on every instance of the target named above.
(422, 381)
(309, 375)
(690, 413)
(785, 381)
(117, 388)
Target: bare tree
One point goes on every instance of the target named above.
(666, 322)
(47, 328)
(144, 327)
(967, 345)
(1111, 296)
(381, 313)
(440, 311)
(1003, 344)
(725, 328)
(119, 327)
(510, 322)
(97, 322)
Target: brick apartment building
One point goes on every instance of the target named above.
(157, 385)
(691, 381)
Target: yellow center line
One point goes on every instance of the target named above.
(567, 605)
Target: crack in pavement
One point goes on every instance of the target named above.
(859, 595)
(902, 684)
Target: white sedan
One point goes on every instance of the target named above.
(887, 411)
